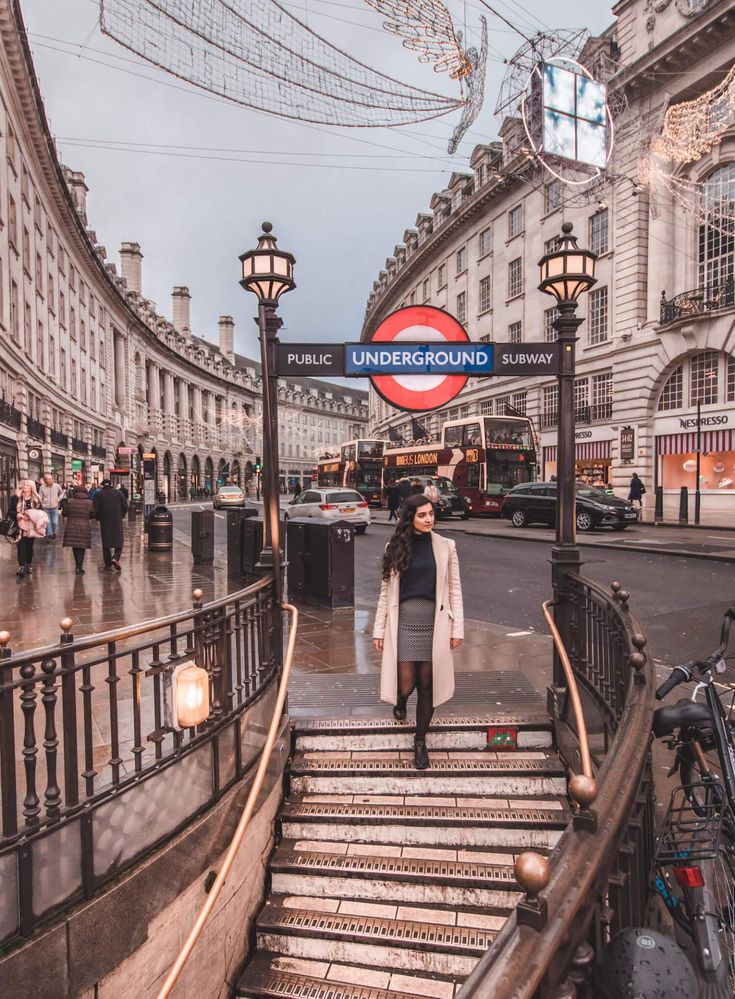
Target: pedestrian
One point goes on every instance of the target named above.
(637, 491)
(297, 488)
(93, 491)
(394, 501)
(32, 521)
(50, 495)
(404, 488)
(416, 488)
(78, 514)
(432, 491)
(419, 619)
(110, 508)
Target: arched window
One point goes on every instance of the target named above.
(672, 394)
(699, 379)
(717, 232)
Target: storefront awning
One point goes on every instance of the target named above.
(584, 451)
(712, 440)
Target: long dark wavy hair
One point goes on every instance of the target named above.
(398, 551)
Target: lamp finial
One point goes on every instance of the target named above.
(267, 227)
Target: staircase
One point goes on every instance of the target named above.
(388, 882)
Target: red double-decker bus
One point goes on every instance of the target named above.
(359, 466)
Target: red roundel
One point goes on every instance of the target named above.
(419, 324)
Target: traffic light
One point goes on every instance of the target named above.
(257, 464)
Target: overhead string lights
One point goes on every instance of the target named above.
(256, 53)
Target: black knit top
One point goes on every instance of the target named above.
(419, 579)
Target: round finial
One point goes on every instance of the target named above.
(197, 595)
(640, 641)
(624, 596)
(637, 660)
(567, 227)
(532, 872)
(615, 587)
(4, 638)
(66, 624)
(267, 227)
(583, 789)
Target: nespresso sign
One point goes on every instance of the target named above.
(690, 422)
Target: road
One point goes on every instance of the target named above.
(680, 601)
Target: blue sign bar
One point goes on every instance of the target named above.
(441, 357)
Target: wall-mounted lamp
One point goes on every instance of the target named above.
(186, 695)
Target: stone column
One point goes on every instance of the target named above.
(119, 368)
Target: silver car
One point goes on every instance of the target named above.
(331, 504)
(228, 496)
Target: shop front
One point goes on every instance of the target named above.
(8, 472)
(592, 459)
(676, 464)
(58, 468)
(35, 463)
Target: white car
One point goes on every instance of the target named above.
(331, 504)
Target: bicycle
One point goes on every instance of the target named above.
(695, 859)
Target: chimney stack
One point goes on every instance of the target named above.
(182, 298)
(76, 184)
(226, 328)
(130, 266)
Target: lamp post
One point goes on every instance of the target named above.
(566, 274)
(268, 273)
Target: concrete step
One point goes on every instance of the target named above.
(395, 873)
(462, 732)
(375, 937)
(519, 823)
(527, 773)
(276, 976)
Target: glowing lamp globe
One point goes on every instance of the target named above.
(266, 270)
(191, 696)
(568, 271)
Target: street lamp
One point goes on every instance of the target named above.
(566, 273)
(268, 273)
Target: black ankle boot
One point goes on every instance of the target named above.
(399, 711)
(421, 754)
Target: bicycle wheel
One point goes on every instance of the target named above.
(719, 876)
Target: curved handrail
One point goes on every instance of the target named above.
(584, 745)
(245, 817)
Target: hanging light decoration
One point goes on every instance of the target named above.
(693, 128)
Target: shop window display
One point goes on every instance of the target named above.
(716, 471)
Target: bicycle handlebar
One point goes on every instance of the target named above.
(688, 671)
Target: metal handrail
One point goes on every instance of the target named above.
(245, 817)
(573, 689)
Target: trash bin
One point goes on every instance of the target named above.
(321, 561)
(235, 539)
(160, 530)
(202, 536)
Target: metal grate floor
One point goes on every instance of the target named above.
(439, 723)
(429, 815)
(287, 985)
(355, 766)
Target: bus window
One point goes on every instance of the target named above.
(453, 436)
(473, 476)
(472, 437)
(370, 449)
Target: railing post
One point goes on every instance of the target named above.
(52, 797)
(31, 803)
(532, 873)
(69, 715)
(7, 742)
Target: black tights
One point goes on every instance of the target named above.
(417, 676)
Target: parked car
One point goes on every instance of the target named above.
(535, 503)
(450, 501)
(331, 504)
(227, 496)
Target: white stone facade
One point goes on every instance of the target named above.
(477, 251)
(89, 365)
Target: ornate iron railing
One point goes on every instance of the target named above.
(9, 415)
(36, 429)
(93, 774)
(698, 301)
(81, 447)
(98, 451)
(59, 439)
(597, 879)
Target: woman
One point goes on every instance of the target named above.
(25, 506)
(420, 618)
(78, 513)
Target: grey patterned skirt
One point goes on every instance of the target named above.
(416, 630)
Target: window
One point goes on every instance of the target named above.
(37, 214)
(462, 308)
(515, 277)
(92, 307)
(27, 334)
(426, 291)
(519, 401)
(486, 294)
(25, 186)
(515, 221)
(703, 378)
(12, 149)
(51, 299)
(12, 222)
(486, 408)
(598, 234)
(82, 334)
(62, 309)
(441, 277)
(486, 241)
(72, 322)
(717, 235)
(730, 395)
(486, 338)
(479, 176)
(582, 400)
(412, 299)
(550, 405)
(550, 317)
(552, 196)
(62, 368)
(602, 386)
(14, 317)
(551, 245)
(501, 405)
(62, 260)
(73, 386)
(51, 355)
(26, 251)
(39, 344)
(72, 278)
(39, 274)
(93, 392)
(672, 394)
(50, 239)
(461, 260)
(598, 315)
(515, 332)
(83, 386)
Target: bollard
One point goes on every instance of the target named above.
(658, 513)
(684, 505)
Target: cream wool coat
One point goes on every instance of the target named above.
(448, 623)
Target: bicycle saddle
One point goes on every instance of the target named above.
(683, 713)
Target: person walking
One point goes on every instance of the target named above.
(78, 514)
(420, 618)
(32, 521)
(394, 501)
(50, 495)
(110, 508)
(297, 488)
(637, 491)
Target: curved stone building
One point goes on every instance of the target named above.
(92, 376)
(660, 322)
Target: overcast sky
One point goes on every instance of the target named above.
(339, 199)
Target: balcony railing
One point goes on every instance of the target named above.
(549, 420)
(36, 429)
(697, 302)
(598, 413)
(59, 439)
(80, 446)
(9, 415)
(99, 452)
